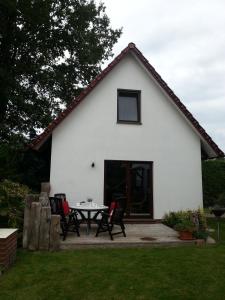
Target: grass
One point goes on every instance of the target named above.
(144, 273)
(186, 272)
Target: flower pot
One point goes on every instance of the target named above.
(185, 235)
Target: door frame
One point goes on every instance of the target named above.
(151, 204)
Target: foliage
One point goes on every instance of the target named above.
(20, 164)
(12, 203)
(173, 218)
(49, 50)
(170, 219)
(213, 175)
(185, 225)
(11, 158)
(185, 272)
(200, 235)
(193, 221)
(220, 201)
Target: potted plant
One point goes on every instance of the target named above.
(185, 228)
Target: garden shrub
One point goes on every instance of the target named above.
(12, 197)
(173, 218)
(195, 219)
(213, 176)
(170, 219)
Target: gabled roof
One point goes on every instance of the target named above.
(131, 48)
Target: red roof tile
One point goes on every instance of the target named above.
(131, 48)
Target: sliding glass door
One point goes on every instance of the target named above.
(132, 182)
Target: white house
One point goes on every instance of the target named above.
(129, 135)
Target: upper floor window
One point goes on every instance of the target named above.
(128, 106)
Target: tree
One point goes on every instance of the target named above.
(49, 50)
(23, 165)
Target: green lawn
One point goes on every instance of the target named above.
(144, 273)
(186, 272)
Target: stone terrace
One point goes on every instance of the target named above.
(137, 235)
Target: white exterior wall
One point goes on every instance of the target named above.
(91, 134)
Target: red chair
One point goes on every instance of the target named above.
(68, 219)
(108, 222)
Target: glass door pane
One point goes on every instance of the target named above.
(115, 180)
(140, 202)
(131, 182)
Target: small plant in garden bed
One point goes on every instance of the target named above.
(193, 223)
(185, 225)
(185, 228)
(172, 218)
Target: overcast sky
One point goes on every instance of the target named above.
(184, 40)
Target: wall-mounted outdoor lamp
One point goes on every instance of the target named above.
(92, 164)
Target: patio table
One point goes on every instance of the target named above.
(88, 208)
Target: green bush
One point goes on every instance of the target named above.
(12, 197)
(213, 176)
(173, 218)
(170, 219)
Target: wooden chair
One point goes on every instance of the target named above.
(68, 222)
(107, 223)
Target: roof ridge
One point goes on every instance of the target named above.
(36, 143)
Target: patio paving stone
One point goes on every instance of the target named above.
(137, 235)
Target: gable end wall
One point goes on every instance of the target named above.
(91, 134)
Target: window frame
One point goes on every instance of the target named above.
(138, 99)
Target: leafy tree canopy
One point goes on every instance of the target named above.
(49, 50)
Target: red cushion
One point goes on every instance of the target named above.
(66, 208)
(113, 205)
